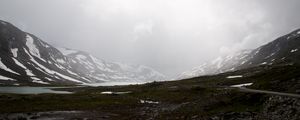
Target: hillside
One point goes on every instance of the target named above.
(282, 50)
(27, 60)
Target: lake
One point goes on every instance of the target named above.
(113, 84)
(32, 90)
(41, 90)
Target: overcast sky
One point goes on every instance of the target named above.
(170, 36)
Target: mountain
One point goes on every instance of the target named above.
(25, 59)
(282, 50)
(99, 70)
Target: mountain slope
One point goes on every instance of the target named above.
(99, 70)
(26, 59)
(283, 49)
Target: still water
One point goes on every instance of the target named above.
(32, 90)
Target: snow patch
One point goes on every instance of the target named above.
(80, 57)
(264, 63)
(294, 50)
(49, 79)
(68, 78)
(14, 51)
(32, 47)
(273, 60)
(59, 66)
(270, 55)
(235, 76)
(5, 78)
(148, 102)
(45, 45)
(61, 61)
(218, 61)
(38, 80)
(66, 51)
(16, 84)
(242, 85)
(115, 93)
(257, 52)
(2, 66)
(72, 73)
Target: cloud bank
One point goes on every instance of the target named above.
(169, 35)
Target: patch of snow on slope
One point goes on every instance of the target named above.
(294, 50)
(242, 85)
(257, 51)
(40, 82)
(273, 60)
(28, 72)
(116, 93)
(270, 55)
(148, 102)
(72, 73)
(61, 61)
(101, 79)
(243, 62)
(14, 51)
(5, 78)
(45, 45)
(31, 46)
(196, 71)
(37, 80)
(218, 62)
(66, 51)
(49, 79)
(80, 57)
(263, 63)
(95, 60)
(68, 78)
(59, 66)
(235, 76)
(2, 66)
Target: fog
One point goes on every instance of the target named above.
(171, 36)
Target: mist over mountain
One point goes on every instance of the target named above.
(26, 59)
(282, 50)
(169, 36)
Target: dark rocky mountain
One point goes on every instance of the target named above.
(284, 49)
(26, 59)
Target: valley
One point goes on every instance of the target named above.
(207, 97)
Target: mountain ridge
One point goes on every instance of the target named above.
(282, 49)
(26, 59)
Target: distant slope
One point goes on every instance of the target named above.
(99, 70)
(25, 59)
(283, 49)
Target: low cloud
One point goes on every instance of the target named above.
(169, 35)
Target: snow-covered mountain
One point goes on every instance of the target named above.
(282, 50)
(219, 65)
(99, 70)
(26, 59)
